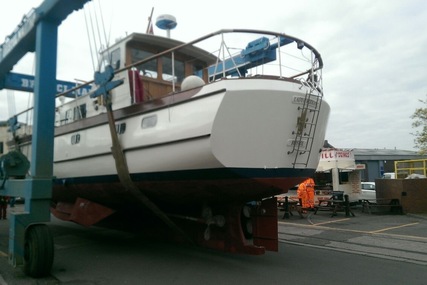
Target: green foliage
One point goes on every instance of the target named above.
(420, 120)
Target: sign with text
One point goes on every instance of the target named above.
(336, 158)
(336, 154)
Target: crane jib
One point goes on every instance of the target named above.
(24, 82)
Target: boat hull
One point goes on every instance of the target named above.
(229, 143)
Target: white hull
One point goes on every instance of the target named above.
(238, 128)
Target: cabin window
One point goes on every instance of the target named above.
(75, 139)
(111, 58)
(68, 115)
(198, 70)
(120, 128)
(149, 122)
(115, 58)
(149, 68)
(80, 112)
(75, 113)
(168, 75)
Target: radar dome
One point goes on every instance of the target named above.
(166, 22)
(191, 82)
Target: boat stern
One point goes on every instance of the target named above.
(271, 127)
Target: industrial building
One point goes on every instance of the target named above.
(380, 161)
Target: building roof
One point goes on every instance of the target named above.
(385, 154)
(381, 154)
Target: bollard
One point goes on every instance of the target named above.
(286, 208)
(346, 206)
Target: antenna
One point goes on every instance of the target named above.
(166, 22)
(150, 23)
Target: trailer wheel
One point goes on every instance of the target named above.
(38, 251)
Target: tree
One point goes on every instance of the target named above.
(420, 120)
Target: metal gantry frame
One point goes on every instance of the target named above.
(30, 242)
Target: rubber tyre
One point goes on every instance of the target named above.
(38, 251)
(246, 222)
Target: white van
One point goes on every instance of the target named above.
(368, 191)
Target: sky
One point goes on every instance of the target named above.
(374, 53)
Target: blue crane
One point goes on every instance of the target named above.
(256, 53)
(30, 241)
(24, 82)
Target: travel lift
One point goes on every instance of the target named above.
(30, 240)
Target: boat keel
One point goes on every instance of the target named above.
(83, 212)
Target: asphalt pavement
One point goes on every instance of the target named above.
(382, 248)
(384, 235)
